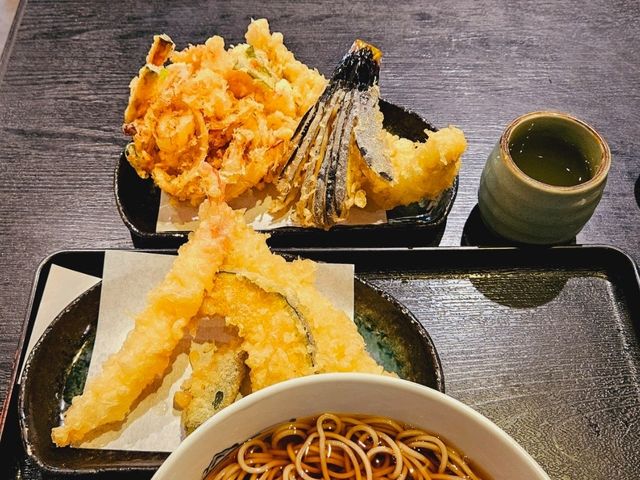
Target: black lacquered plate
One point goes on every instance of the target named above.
(56, 369)
(420, 223)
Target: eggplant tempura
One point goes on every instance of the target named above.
(341, 155)
(285, 328)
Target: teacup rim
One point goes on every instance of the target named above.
(594, 181)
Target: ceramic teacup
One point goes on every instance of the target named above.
(523, 209)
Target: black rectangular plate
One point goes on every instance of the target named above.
(543, 341)
(420, 223)
(138, 199)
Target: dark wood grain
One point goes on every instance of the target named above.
(64, 86)
(563, 397)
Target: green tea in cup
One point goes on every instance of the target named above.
(543, 179)
(547, 157)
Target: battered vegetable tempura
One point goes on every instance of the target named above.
(147, 350)
(272, 333)
(338, 345)
(286, 328)
(216, 121)
(341, 156)
(216, 378)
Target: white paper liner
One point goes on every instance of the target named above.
(176, 216)
(128, 276)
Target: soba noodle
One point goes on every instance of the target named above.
(343, 447)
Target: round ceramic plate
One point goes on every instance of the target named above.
(56, 370)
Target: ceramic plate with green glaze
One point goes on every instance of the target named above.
(57, 368)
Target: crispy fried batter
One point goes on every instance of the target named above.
(147, 350)
(217, 120)
(145, 87)
(272, 333)
(214, 384)
(287, 327)
(422, 169)
(341, 152)
(339, 346)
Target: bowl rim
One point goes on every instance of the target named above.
(325, 378)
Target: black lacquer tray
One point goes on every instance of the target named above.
(543, 341)
(56, 369)
(420, 223)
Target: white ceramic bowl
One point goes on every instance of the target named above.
(465, 429)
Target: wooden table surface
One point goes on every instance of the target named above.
(65, 72)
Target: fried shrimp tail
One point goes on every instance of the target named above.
(148, 348)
